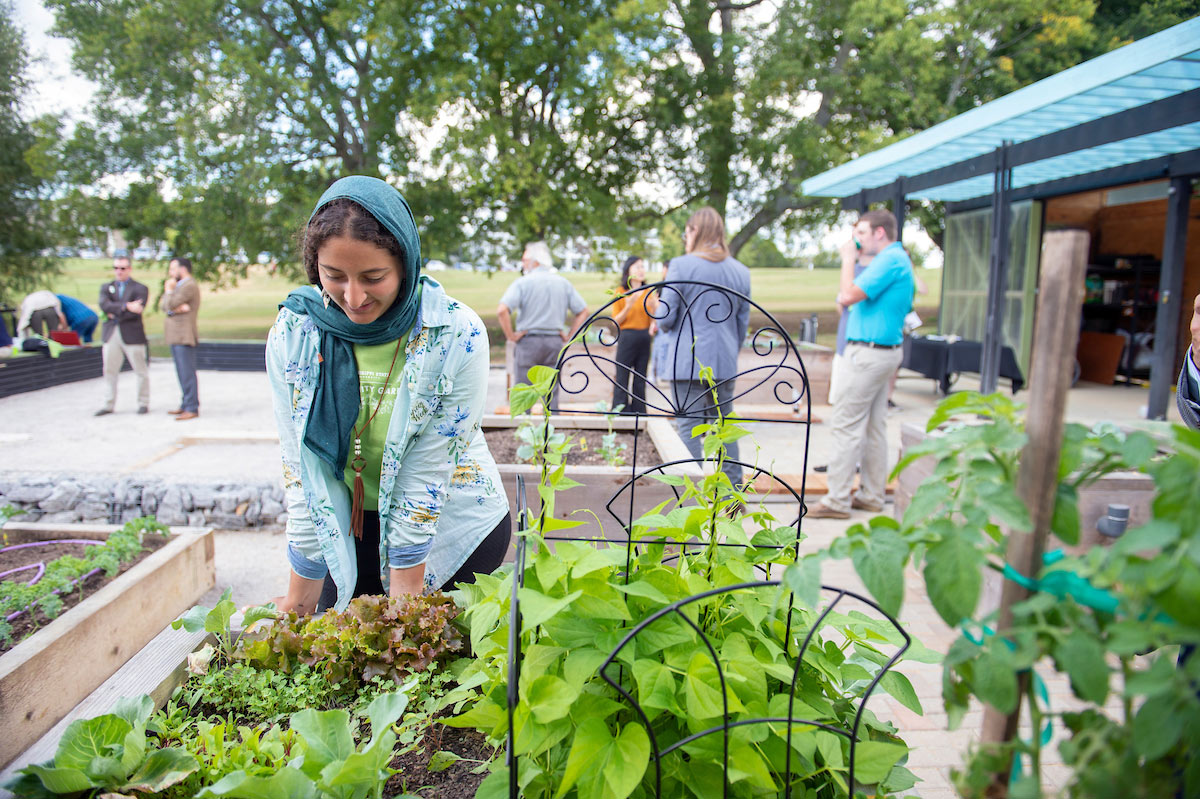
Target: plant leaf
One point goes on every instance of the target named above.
(899, 687)
(591, 739)
(953, 578)
(880, 564)
(327, 735)
(88, 739)
(1082, 657)
(550, 698)
(160, 770)
(537, 608)
(287, 783)
(61, 780)
(874, 759)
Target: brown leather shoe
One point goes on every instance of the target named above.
(185, 415)
(176, 412)
(823, 511)
(859, 504)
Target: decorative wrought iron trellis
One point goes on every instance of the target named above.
(688, 310)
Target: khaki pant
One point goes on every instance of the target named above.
(859, 425)
(114, 352)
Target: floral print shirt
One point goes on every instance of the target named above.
(438, 487)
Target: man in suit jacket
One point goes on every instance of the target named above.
(123, 301)
(709, 326)
(1188, 396)
(181, 302)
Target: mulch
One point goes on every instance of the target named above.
(503, 445)
(30, 622)
(455, 782)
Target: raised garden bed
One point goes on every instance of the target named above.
(598, 483)
(51, 671)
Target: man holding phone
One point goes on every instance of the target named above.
(875, 303)
(1188, 396)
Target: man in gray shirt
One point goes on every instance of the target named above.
(541, 298)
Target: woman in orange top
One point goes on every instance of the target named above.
(633, 315)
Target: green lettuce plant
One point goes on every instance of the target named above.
(376, 636)
(107, 755)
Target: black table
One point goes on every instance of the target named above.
(941, 360)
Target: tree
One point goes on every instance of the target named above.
(755, 100)
(24, 227)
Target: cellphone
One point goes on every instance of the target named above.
(857, 244)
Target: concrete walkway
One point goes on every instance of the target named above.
(54, 431)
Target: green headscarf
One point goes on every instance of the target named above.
(336, 400)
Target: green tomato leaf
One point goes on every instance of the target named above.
(1082, 657)
(996, 681)
(1157, 727)
(953, 578)
(880, 564)
(1064, 523)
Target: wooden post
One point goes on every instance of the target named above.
(1060, 296)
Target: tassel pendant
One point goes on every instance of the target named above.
(356, 505)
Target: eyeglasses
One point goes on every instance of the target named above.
(121, 268)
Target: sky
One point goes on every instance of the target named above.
(56, 88)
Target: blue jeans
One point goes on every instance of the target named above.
(185, 369)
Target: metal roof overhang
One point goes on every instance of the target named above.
(1130, 114)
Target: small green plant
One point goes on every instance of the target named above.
(245, 693)
(215, 620)
(108, 755)
(222, 749)
(609, 449)
(533, 436)
(46, 595)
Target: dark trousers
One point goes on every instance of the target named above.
(633, 360)
(537, 349)
(694, 401)
(486, 558)
(185, 369)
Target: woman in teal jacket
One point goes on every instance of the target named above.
(379, 381)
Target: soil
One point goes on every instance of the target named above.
(503, 444)
(455, 782)
(28, 623)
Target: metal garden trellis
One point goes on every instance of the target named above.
(776, 365)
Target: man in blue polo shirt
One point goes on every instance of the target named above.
(876, 303)
(1188, 398)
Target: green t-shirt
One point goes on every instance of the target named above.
(373, 362)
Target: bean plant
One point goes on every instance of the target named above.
(574, 735)
(1119, 621)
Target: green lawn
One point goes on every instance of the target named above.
(245, 311)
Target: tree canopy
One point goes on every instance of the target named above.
(24, 229)
(226, 118)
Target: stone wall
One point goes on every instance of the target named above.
(115, 500)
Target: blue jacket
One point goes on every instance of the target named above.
(709, 325)
(439, 489)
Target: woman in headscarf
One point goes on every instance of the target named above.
(379, 381)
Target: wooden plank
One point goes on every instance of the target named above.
(1060, 296)
(157, 669)
(47, 674)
